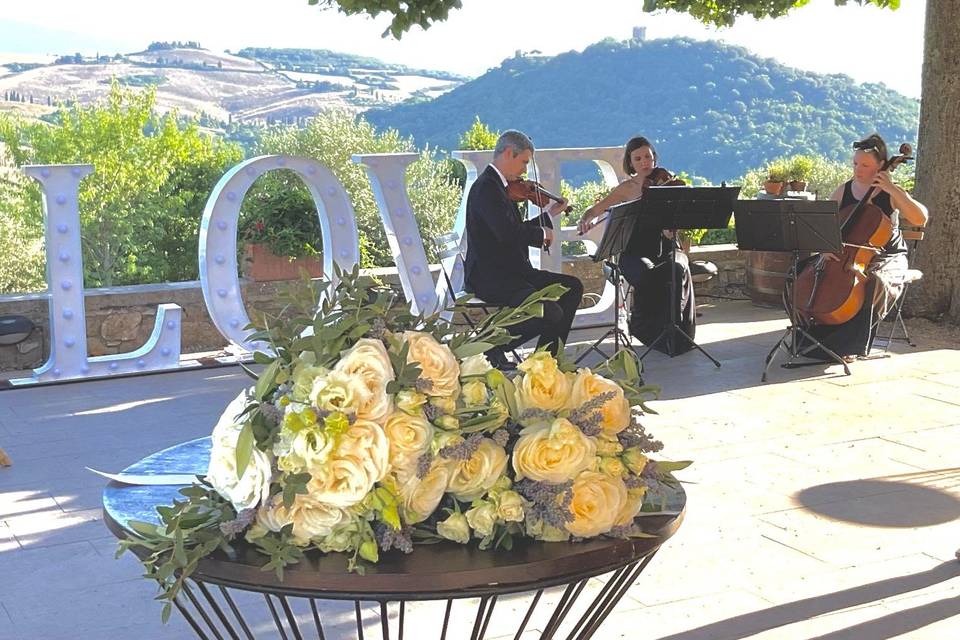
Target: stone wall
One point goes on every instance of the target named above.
(120, 319)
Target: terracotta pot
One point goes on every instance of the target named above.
(773, 188)
(262, 265)
(798, 185)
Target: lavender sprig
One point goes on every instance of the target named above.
(462, 450)
(389, 538)
(551, 502)
(592, 405)
(424, 462)
(534, 413)
(238, 525)
(423, 385)
(636, 436)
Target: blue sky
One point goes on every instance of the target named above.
(819, 37)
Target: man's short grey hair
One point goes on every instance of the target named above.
(512, 139)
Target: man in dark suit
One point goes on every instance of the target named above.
(497, 267)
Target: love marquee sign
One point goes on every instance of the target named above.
(217, 252)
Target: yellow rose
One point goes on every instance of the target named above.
(338, 391)
(471, 478)
(420, 497)
(482, 519)
(543, 385)
(477, 365)
(554, 453)
(253, 487)
(510, 506)
(436, 361)
(613, 467)
(608, 446)
(635, 460)
(474, 393)
(615, 412)
(360, 460)
(446, 405)
(598, 500)
(631, 507)
(409, 437)
(368, 361)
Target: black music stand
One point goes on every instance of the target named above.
(664, 208)
(791, 226)
(616, 236)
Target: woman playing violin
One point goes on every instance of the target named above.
(886, 269)
(645, 263)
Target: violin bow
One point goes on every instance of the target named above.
(536, 179)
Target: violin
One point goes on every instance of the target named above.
(660, 177)
(831, 292)
(530, 190)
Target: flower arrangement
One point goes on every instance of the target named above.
(372, 430)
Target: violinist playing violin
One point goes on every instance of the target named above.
(497, 266)
(885, 270)
(645, 262)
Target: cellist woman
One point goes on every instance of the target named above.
(645, 262)
(885, 272)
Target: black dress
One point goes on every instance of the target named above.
(646, 265)
(855, 337)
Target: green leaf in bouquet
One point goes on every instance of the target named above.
(146, 529)
(266, 381)
(472, 349)
(250, 372)
(244, 448)
(664, 466)
(260, 357)
(506, 392)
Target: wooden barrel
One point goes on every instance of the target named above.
(766, 272)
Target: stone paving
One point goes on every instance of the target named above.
(819, 505)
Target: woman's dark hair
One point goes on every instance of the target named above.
(632, 145)
(874, 145)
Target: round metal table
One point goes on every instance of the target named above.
(217, 603)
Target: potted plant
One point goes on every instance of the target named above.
(280, 230)
(777, 172)
(800, 170)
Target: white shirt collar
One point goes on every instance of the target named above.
(502, 179)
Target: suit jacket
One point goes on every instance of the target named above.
(497, 237)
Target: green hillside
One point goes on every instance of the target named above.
(712, 109)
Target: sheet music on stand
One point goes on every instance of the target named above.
(663, 208)
(790, 226)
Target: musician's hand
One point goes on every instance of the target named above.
(547, 237)
(884, 182)
(831, 256)
(586, 223)
(557, 207)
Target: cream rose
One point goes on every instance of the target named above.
(631, 507)
(368, 361)
(510, 506)
(361, 459)
(338, 391)
(436, 361)
(474, 393)
(614, 413)
(455, 528)
(471, 478)
(253, 487)
(420, 497)
(477, 365)
(482, 519)
(409, 437)
(598, 500)
(543, 385)
(411, 402)
(554, 453)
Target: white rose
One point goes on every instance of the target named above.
(482, 519)
(338, 391)
(474, 393)
(253, 487)
(313, 520)
(368, 361)
(471, 478)
(510, 506)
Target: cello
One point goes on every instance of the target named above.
(831, 292)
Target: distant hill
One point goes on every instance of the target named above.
(711, 109)
(253, 86)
